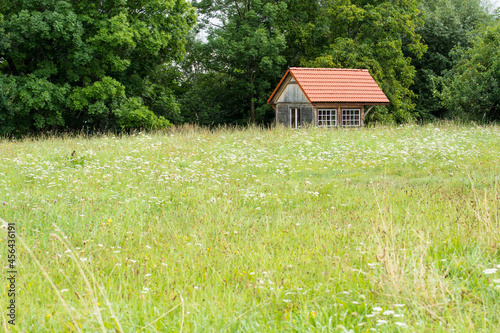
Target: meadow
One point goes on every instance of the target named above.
(386, 229)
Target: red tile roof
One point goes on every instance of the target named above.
(336, 85)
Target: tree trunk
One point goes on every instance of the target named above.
(252, 108)
(12, 66)
(252, 95)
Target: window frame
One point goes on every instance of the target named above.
(350, 117)
(332, 118)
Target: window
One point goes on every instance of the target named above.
(327, 117)
(295, 117)
(351, 117)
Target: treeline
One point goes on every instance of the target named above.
(117, 65)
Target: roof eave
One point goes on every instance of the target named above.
(344, 102)
(269, 101)
(300, 86)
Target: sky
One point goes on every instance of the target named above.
(495, 3)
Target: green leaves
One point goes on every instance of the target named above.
(33, 99)
(373, 36)
(134, 114)
(117, 64)
(68, 64)
(471, 90)
(247, 50)
(447, 23)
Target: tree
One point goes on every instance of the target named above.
(447, 23)
(306, 30)
(208, 96)
(471, 90)
(372, 35)
(246, 48)
(75, 63)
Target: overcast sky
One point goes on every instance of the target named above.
(496, 3)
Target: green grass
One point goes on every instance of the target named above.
(256, 230)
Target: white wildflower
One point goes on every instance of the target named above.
(490, 271)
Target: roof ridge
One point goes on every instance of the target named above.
(332, 69)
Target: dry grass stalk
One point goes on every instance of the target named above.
(58, 293)
(90, 288)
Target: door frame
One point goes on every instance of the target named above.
(296, 117)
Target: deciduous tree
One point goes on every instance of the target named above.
(246, 45)
(447, 23)
(471, 90)
(100, 64)
(372, 35)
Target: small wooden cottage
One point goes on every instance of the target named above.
(325, 97)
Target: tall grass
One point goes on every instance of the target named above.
(256, 230)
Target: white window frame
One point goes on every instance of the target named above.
(350, 116)
(297, 113)
(330, 120)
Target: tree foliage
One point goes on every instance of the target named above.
(255, 41)
(99, 64)
(306, 30)
(243, 53)
(120, 64)
(372, 35)
(447, 23)
(471, 90)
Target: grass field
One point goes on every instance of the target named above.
(379, 229)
